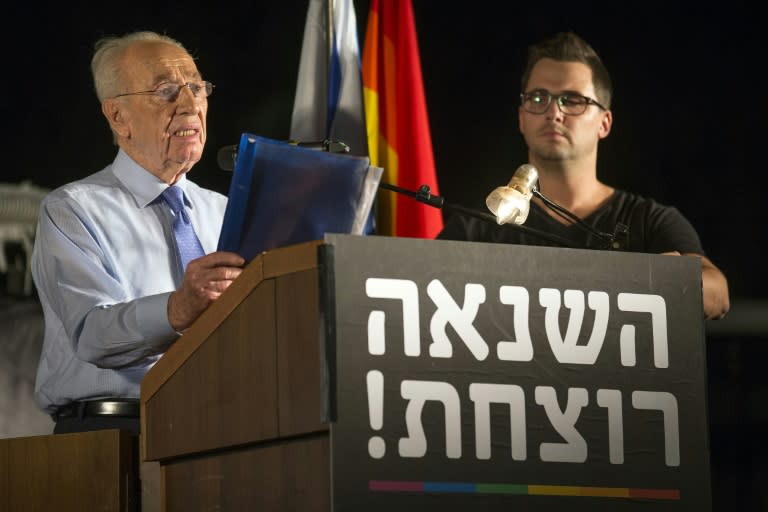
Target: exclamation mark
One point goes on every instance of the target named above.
(375, 381)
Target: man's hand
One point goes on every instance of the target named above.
(714, 287)
(205, 280)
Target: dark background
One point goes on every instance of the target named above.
(688, 129)
(687, 104)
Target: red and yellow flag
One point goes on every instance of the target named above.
(396, 120)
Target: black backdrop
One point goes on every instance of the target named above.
(688, 127)
(687, 124)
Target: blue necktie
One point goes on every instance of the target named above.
(187, 244)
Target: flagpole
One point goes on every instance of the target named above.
(329, 28)
(329, 32)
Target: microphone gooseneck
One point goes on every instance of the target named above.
(606, 238)
(511, 204)
(424, 195)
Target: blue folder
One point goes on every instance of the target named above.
(282, 194)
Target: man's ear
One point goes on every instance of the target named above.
(605, 124)
(115, 113)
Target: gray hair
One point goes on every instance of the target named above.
(105, 64)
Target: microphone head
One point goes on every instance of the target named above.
(226, 157)
(511, 203)
(525, 179)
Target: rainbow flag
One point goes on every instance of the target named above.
(396, 119)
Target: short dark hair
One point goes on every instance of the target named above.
(568, 47)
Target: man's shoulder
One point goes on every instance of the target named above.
(625, 196)
(98, 182)
(637, 210)
(623, 200)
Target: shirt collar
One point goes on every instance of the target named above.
(144, 186)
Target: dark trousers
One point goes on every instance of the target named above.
(89, 423)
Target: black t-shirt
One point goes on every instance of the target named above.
(653, 227)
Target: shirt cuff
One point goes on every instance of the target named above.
(152, 317)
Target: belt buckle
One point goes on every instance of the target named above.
(124, 408)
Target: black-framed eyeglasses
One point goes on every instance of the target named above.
(169, 92)
(569, 103)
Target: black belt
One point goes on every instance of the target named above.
(116, 407)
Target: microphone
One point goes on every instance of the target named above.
(511, 203)
(227, 155)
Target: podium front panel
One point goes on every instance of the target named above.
(472, 376)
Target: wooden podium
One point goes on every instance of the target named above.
(232, 410)
(80, 471)
(378, 374)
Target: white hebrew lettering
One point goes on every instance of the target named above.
(627, 345)
(460, 318)
(566, 349)
(611, 400)
(575, 447)
(522, 348)
(418, 392)
(667, 404)
(657, 307)
(375, 385)
(485, 394)
(406, 291)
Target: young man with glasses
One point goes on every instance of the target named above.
(122, 266)
(564, 112)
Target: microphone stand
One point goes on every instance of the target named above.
(617, 240)
(424, 195)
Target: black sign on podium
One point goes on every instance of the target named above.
(471, 376)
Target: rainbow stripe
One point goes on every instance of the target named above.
(399, 139)
(523, 489)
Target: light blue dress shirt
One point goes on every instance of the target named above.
(104, 265)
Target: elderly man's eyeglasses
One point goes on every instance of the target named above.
(572, 104)
(170, 92)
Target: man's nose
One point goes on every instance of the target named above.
(188, 100)
(553, 110)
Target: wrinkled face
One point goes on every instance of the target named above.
(553, 135)
(166, 137)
